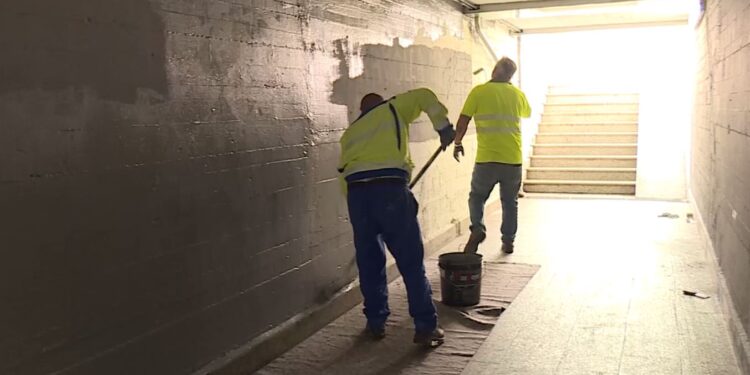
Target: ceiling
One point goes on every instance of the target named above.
(492, 5)
(496, 1)
(541, 16)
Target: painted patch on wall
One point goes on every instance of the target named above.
(393, 69)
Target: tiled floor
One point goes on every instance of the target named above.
(608, 297)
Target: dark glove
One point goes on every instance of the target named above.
(447, 134)
(458, 149)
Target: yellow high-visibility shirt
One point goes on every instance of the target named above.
(377, 141)
(497, 109)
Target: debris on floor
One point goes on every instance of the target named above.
(669, 215)
(695, 294)
(690, 217)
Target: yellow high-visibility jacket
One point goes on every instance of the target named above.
(379, 139)
(497, 109)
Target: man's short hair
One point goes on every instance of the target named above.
(369, 102)
(504, 69)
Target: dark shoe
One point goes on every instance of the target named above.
(377, 333)
(507, 248)
(475, 238)
(430, 339)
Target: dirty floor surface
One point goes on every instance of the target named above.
(608, 296)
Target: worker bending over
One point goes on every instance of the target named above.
(497, 107)
(376, 167)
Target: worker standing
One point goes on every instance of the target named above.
(376, 167)
(497, 108)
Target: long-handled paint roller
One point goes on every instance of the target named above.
(437, 152)
(427, 165)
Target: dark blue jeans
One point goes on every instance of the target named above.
(385, 212)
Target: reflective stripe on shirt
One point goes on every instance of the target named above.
(498, 130)
(496, 117)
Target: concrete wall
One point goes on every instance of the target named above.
(167, 167)
(631, 60)
(721, 147)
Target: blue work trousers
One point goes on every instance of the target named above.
(483, 181)
(385, 212)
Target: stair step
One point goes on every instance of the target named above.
(584, 108)
(589, 118)
(589, 137)
(578, 174)
(570, 127)
(578, 161)
(579, 187)
(571, 90)
(592, 98)
(585, 149)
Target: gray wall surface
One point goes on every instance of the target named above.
(721, 142)
(167, 167)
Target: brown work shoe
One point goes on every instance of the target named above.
(476, 237)
(430, 339)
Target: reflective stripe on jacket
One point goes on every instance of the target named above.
(379, 139)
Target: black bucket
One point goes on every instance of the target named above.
(460, 278)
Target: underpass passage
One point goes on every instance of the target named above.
(165, 165)
(607, 298)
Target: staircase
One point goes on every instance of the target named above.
(587, 144)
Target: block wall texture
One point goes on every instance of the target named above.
(168, 167)
(721, 142)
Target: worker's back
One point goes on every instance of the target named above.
(497, 109)
(379, 139)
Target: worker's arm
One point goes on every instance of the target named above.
(525, 107)
(468, 111)
(461, 127)
(412, 103)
